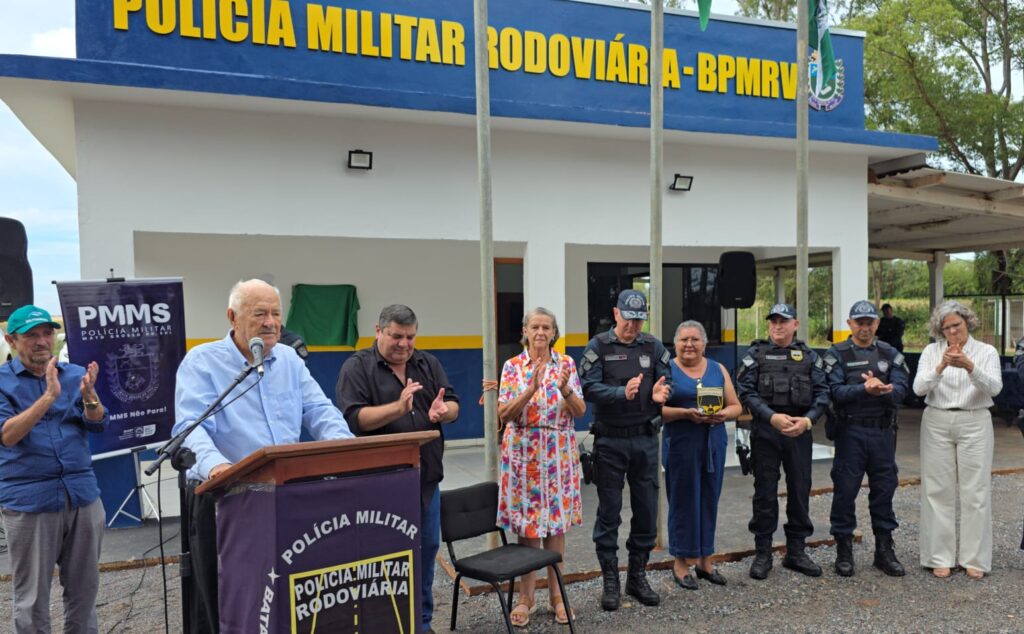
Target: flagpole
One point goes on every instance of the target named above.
(657, 161)
(802, 87)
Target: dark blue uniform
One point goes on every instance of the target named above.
(626, 432)
(866, 436)
(781, 380)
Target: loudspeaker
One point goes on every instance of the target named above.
(15, 272)
(737, 279)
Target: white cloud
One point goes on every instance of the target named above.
(65, 220)
(56, 43)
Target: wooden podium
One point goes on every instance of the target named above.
(321, 536)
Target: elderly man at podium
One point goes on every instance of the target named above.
(391, 387)
(269, 408)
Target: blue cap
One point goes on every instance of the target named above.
(632, 305)
(28, 317)
(863, 309)
(782, 310)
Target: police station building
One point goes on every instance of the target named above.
(333, 142)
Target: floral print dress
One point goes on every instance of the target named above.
(539, 475)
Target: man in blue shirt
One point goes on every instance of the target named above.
(260, 412)
(48, 494)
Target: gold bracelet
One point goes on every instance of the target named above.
(91, 404)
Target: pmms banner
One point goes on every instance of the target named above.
(135, 331)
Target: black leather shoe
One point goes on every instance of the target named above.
(610, 591)
(761, 565)
(798, 561)
(636, 581)
(885, 556)
(714, 576)
(844, 556)
(686, 582)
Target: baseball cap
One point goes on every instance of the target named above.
(782, 310)
(632, 305)
(28, 317)
(863, 308)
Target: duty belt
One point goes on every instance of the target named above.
(607, 431)
(876, 423)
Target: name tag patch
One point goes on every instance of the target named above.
(615, 357)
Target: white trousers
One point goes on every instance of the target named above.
(956, 456)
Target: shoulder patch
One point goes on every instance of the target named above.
(665, 357)
(818, 363)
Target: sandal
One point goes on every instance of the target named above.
(561, 617)
(974, 573)
(520, 615)
(941, 573)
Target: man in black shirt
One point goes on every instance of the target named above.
(391, 388)
(890, 328)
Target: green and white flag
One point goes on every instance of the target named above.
(823, 69)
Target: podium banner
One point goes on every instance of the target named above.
(135, 331)
(339, 556)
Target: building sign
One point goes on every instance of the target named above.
(560, 59)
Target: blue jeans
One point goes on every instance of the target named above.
(430, 541)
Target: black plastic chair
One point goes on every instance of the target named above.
(472, 511)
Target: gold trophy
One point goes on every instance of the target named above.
(710, 400)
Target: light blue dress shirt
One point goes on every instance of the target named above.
(272, 412)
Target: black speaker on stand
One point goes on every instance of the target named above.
(15, 272)
(737, 288)
(737, 279)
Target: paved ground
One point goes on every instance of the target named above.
(133, 601)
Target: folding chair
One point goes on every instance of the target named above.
(472, 511)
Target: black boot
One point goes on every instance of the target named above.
(844, 555)
(610, 591)
(762, 563)
(636, 581)
(885, 556)
(797, 560)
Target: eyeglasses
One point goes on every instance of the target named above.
(952, 327)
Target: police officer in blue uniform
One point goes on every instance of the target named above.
(868, 379)
(626, 376)
(782, 382)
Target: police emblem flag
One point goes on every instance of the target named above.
(135, 330)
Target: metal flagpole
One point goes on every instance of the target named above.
(657, 160)
(483, 151)
(801, 169)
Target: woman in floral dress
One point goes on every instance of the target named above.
(540, 497)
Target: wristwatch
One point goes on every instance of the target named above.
(91, 404)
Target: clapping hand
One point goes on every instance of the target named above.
(563, 378)
(633, 386)
(661, 391)
(438, 408)
(874, 386)
(955, 357)
(53, 381)
(405, 398)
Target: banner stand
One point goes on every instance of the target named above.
(140, 490)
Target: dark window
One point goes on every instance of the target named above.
(690, 293)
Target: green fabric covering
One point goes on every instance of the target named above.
(324, 314)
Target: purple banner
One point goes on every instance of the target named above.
(339, 556)
(135, 331)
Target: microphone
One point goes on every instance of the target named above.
(256, 348)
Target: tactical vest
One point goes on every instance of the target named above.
(621, 363)
(856, 361)
(784, 376)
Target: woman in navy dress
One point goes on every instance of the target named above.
(693, 454)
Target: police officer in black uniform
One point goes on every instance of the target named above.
(626, 375)
(868, 379)
(782, 382)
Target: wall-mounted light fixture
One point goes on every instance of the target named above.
(360, 160)
(681, 183)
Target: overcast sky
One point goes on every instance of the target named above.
(34, 188)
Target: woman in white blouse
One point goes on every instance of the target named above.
(957, 376)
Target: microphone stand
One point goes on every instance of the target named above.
(182, 459)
